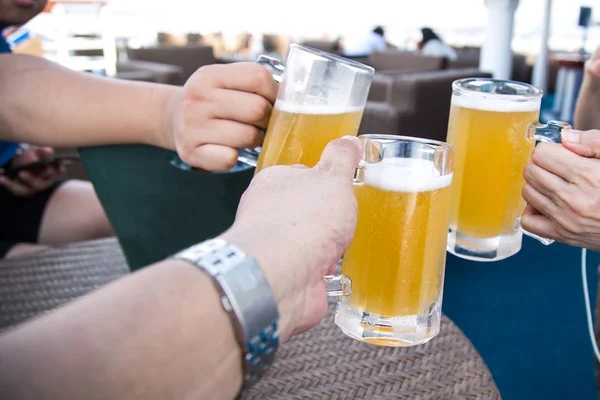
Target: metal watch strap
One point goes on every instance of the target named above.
(247, 297)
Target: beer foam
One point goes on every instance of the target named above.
(489, 103)
(288, 107)
(405, 175)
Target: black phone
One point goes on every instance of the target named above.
(38, 166)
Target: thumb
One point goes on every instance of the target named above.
(584, 143)
(341, 156)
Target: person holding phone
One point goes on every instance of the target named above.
(37, 209)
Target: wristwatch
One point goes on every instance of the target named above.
(247, 298)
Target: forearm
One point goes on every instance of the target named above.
(158, 334)
(44, 103)
(587, 112)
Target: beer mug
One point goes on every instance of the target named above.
(493, 127)
(321, 98)
(393, 272)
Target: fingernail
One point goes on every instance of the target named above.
(571, 136)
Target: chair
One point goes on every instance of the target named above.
(157, 209)
(413, 103)
(150, 71)
(188, 58)
(394, 59)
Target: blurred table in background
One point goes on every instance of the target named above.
(568, 82)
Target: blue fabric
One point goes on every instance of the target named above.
(4, 46)
(526, 317)
(7, 149)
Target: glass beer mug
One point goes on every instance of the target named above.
(493, 127)
(321, 98)
(393, 272)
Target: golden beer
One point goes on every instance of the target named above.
(396, 260)
(492, 148)
(297, 134)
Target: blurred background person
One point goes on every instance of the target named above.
(37, 209)
(432, 45)
(374, 41)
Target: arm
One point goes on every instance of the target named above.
(587, 111)
(157, 334)
(162, 333)
(220, 109)
(51, 105)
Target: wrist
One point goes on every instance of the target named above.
(271, 260)
(164, 136)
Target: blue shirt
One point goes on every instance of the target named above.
(7, 149)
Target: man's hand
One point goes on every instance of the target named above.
(220, 109)
(27, 183)
(563, 190)
(297, 222)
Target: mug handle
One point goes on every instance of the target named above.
(338, 285)
(247, 156)
(545, 133)
(276, 68)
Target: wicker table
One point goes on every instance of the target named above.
(320, 364)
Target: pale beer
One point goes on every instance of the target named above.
(297, 134)
(492, 149)
(397, 257)
(493, 141)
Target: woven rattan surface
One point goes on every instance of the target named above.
(320, 364)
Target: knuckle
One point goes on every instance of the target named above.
(570, 225)
(205, 72)
(539, 153)
(260, 109)
(262, 77)
(528, 172)
(525, 192)
(590, 176)
(249, 135)
(560, 197)
(578, 205)
(229, 160)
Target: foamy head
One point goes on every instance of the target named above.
(497, 104)
(405, 175)
(288, 107)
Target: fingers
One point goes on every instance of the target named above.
(212, 157)
(239, 106)
(44, 152)
(583, 143)
(560, 161)
(539, 224)
(539, 201)
(36, 182)
(246, 77)
(232, 134)
(219, 138)
(16, 187)
(543, 181)
(341, 156)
